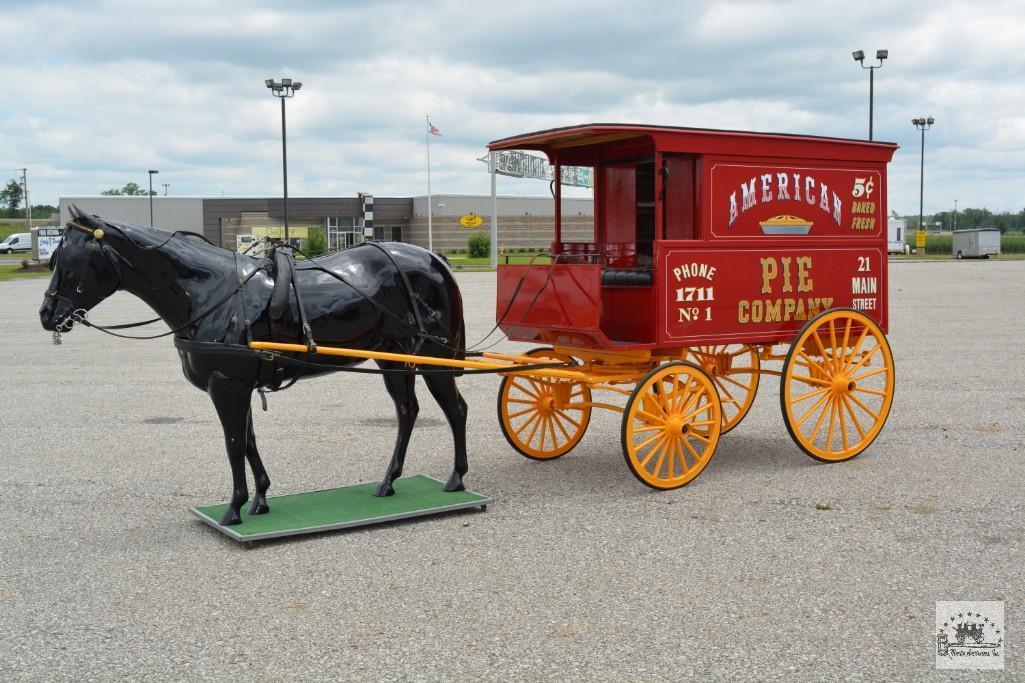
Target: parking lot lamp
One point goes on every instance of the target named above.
(283, 89)
(923, 124)
(151, 172)
(859, 56)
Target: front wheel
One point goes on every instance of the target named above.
(837, 385)
(671, 425)
(543, 418)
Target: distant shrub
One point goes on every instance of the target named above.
(479, 244)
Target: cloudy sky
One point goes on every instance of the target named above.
(98, 92)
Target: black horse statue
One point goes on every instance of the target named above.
(379, 296)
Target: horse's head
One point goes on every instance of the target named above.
(84, 274)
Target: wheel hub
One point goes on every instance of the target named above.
(842, 384)
(676, 426)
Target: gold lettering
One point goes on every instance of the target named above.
(787, 284)
(770, 270)
(743, 311)
(804, 283)
(772, 310)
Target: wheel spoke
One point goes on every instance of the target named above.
(811, 380)
(524, 389)
(729, 379)
(843, 348)
(697, 458)
(811, 410)
(654, 449)
(556, 422)
(649, 440)
(650, 428)
(832, 340)
(857, 347)
(818, 424)
(865, 358)
(698, 436)
(814, 363)
(875, 415)
(874, 392)
(526, 423)
(870, 373)
(648, 417)
(522, 412)
(567, 418)
(661, 457)
(697, 411)
(843, 425)
(533, 431)
(522, 400)
(832, 421)
(723, 389)
(857, 425)
(808, 395)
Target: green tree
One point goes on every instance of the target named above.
(480, 245)
(129, 190)
(11, 195)
(316, 243)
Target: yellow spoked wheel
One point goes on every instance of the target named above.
(543, 417)
(671, 425)
(735, 370)
(837, 385)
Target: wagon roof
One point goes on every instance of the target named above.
(698, 140)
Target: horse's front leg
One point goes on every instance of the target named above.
(401, 389)
(259, 505)
(232, 400)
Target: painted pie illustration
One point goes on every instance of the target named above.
(785, 225)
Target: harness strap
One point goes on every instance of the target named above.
(414, 299)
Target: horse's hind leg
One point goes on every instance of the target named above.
(232, 400)
(259, 505)
(443, 388)
(401, 389)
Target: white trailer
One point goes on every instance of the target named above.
(976, 243)
(896, 232)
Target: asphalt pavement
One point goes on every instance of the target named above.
(576, 572)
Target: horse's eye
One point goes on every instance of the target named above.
(78, 289)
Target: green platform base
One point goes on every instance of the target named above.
(342, 508)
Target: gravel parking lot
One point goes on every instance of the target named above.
(576, 572)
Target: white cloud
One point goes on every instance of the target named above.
(107, 89)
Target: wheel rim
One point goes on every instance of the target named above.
(735, 371)
(837, 385)
(544, 417)
(671, 426)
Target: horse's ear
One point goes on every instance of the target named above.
(74, 211)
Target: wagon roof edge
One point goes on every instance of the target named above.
(540, 139)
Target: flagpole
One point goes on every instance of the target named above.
(430, 234)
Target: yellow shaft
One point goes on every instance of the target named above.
(419, 360)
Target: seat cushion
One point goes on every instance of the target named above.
(626, 277)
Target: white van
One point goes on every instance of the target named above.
(19, 241)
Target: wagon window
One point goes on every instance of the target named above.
(627, 212)
(679, 218)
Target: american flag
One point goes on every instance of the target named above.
(433, 129)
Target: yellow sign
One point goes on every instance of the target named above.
(920, 239)
(470, 220)
(278, 231)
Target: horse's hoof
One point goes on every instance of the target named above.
(455, 483)
(384, 489)
(231, 517)
(259, 507)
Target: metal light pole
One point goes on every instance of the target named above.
(955, 214)
(859, 56)
(283, 89)
(166, 185)
(151, 172)
(923, 124)
(28, 203)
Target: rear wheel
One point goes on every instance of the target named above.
(735, 370)
(543, 418)
(671, 425)
(837, 385)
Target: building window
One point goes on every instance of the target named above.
(343, 232)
